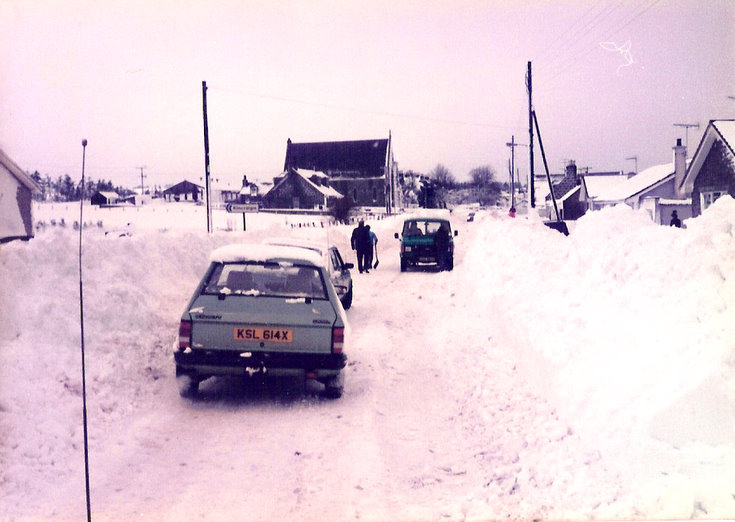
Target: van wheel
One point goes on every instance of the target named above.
(450, 265)
(404, 265)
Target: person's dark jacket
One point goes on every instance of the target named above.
(361, 238)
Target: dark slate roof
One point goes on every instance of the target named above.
(366, 157)
(183, 187)
(563, 187)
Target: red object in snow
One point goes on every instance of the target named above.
(512, 212)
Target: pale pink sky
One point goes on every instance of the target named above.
(445, 77)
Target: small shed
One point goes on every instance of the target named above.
(16, 212)
(104, 197)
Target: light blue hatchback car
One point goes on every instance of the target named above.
(263, 310)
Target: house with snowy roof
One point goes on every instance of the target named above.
(104, 198)
(711, 172)
(363, 170)
(570, 194)
(653, 189)
(16, 210)
(184, 191)
(301, 189)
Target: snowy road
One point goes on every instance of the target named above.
(471, 394)
(410, 439)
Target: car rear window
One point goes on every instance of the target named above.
(266, 280)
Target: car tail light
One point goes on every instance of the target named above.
(184, 335)
(338, 339)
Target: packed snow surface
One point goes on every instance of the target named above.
(546, 377)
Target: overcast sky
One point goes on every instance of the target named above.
(446, 78)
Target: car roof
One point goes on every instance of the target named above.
(440, 220)
(315, 246)
(242, 252)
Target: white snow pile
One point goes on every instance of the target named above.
(588, 376)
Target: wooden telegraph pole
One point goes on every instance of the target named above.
(206, 157)
(531, 175)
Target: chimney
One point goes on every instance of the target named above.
(680, 168)
(571, 170)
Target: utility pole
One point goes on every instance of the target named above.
(142, 186)
(687, 126)
(634, 158)
(512, 146)
(206, 157)
(531, 175)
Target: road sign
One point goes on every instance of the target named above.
(241, 207)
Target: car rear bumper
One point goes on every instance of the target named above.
(227, 362)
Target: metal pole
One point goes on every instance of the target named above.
(206, 157)
(81, 313)
(512, 172)
(546, 166)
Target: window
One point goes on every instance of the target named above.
(257, 279)
(709, 197)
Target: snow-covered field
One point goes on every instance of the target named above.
(546, 377)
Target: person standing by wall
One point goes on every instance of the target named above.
(675, 221)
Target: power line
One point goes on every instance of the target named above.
(621, 24)
(551, 48)
(358, 110)
(586, 30)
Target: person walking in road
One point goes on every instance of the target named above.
(442, 238)
(361, 244)
(372, 247)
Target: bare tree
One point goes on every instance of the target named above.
(442, 176)
(483, 181)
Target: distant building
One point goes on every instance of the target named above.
(184, 191)
(711, 172)
(104, 198)
(16, 191)
(570, 193)
(653, 190)
(249, 193)
(301, 189)
(362, 170)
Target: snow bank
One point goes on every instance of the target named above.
(625, 327)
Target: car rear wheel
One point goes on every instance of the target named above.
(188, 385)
(347, 299)
(334, 386)
(404, 265)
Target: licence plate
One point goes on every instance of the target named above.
(273, 335)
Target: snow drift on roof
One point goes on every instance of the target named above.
(262, 253)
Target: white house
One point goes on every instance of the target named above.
(653, 189)
(711, 173)
(16, 189)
